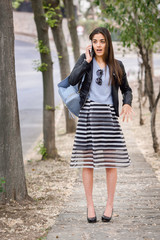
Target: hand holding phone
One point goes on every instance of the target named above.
(89, 53)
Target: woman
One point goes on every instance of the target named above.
(99, 141)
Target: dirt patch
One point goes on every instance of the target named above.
(50, 184)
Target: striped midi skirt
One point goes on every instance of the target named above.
(99, 140)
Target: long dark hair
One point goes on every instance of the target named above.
(112, 63)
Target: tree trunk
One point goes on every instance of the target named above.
(48, 89)
(150, 93)
(152, 107)
(11, 158)
(140, 77)
(153, 124)
(148, 77)
(151, 61)
(62, 52)
(69, 7)
(153, 130)
(147, 80)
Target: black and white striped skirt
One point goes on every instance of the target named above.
(99, 140)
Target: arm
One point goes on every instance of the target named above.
(125, 88)
(79, 69)
(127, 96)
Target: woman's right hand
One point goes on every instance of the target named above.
(88, 56)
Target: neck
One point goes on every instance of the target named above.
(99, 59)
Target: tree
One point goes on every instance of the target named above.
(11, 159)
(139, 25)
(140, 91)
(70, 12)
(54, 19)
(46, 68)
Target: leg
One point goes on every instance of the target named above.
(87, 175)
(111, 176)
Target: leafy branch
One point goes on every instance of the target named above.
(16, 3)
(41, 150)
(42, 48)
(40, 67)
(52, 15)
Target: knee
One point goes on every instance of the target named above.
(87, 170)
(111, 170)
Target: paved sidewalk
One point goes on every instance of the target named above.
(136, 207)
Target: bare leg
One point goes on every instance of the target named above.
(111, 176)
(87, 175)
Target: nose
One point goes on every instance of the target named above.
(98, 44)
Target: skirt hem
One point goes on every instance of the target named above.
(99, 167)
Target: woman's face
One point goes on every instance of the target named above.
(99, 44)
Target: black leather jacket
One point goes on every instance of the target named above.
(82, 66)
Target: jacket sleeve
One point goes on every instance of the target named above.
(79, 69)
(125, 88)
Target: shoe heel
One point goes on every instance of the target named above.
(91, 220)
(107, 219)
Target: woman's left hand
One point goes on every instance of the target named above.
(126, 112)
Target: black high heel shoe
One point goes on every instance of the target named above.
(107, 219)
(91, 220)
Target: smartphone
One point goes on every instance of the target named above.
(91, 52)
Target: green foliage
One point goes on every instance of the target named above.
(16, 3)
(115, 35)
(47, 107)
(41, 150)
(57, 107)
(137, 20)
(2, 181)
(40, 67)
(42, 48)
(52, 17)
(90, 24)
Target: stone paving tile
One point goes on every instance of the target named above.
(136, 207)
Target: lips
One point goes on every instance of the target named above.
(99, 50)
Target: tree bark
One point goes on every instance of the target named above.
(62, 52)
(149, 80)
(153, 124)
(140, 77)
(69, 7)
(48, 88)
(11, 158)
(150, 93)
(152, 102)
(151, 61)
(148, 75)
